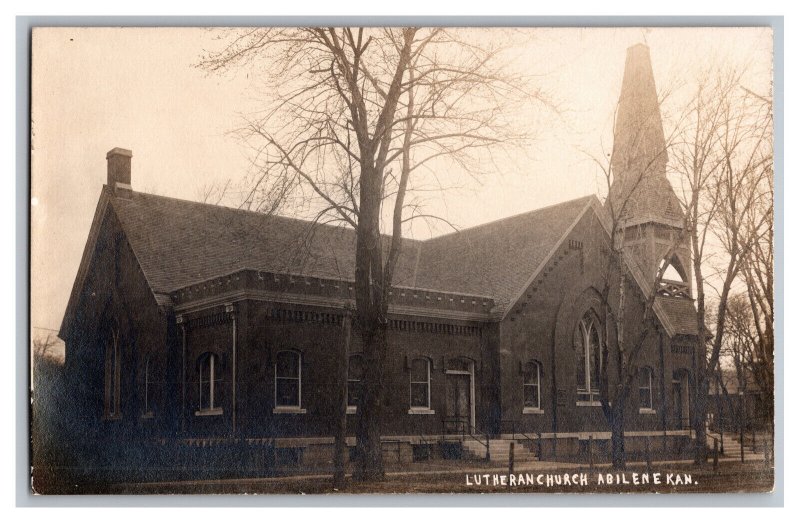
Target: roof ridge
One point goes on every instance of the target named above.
(255, 213)
(513, 216)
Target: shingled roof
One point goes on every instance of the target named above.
(497, 259)
(179, 243)
(680, 314)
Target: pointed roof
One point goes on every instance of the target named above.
(500, 258)
(178, 243)
(639, 158)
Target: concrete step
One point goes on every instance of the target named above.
(499, 451)
(734, 449)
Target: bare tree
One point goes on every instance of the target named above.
(735, 346)
(357, 125)
(757, 268)
(43, 347)
(214, 193)
(618, 381)
(723, 156)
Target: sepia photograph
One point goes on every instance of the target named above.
(402, 260)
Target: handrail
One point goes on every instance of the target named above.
(465, 429)
(424, 440)
(514, 434)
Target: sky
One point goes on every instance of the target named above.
(94, 89)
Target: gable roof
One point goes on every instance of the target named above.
(677, 314)
(179, 243)
(498, 259)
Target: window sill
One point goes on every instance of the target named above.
(147, 415)
(208, 412)
(288, 410)
(531, 410)
(352, 410)
(647, 411)
(420, 410)
(588, 404)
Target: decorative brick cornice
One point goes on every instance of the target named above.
(318, 292)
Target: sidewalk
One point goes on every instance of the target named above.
(419, 469)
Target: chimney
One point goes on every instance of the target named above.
(119, 171)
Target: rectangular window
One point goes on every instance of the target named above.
(287, 379)
(420, 384)
(113, 373)
(210, 385)
(530, 388)
(148, 388)
(355, 374)
(646, 389)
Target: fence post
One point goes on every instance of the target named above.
(511, 457)
(716, 455)
(647, 453)
(488, 458)
(721, 440)
(539, 439)
(741, 443)
(591, 452)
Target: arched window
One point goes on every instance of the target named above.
(147, 405)
(420, 384)
(355, 373)
(646, 389)
(671, 273)
(588, 348)
(674, 281)
(210, 384)
(113, 371)
(288, 379)
(531, 386)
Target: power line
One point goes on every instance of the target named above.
(45, 329)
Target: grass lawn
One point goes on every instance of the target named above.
(475, 478)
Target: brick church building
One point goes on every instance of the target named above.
(202, 327)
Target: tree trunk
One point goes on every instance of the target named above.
(371, 311)
(699, 421)
(618, 459)
(341, 416)
(369, 465)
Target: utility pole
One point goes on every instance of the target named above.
(341, 387)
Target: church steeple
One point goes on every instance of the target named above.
(640, 190)
(641, 197)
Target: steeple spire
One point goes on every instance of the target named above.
(639, 145)
(641, 198)
(640, 191)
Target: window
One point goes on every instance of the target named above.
(148, 388)
(671, 273)
(112, 376)
(588, 357)
(210, 385)
(421, 384)
(674, 281)
(355, 373)
(646, 390)
(288, 381)
(531, 387)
